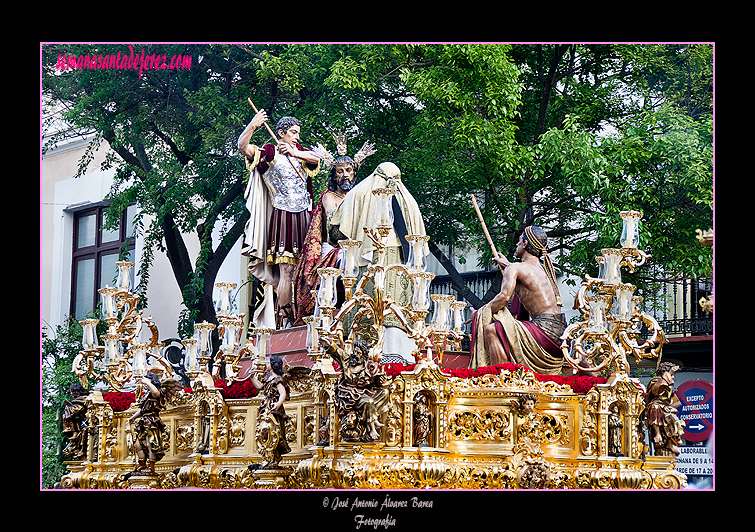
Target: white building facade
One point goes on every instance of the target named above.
(77, 257)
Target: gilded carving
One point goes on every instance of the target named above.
(394, 423)
(308, 425)
(237, 430)
(185, 436)
(110, 448)
(588, 435)
(520, 455)
(479, 425)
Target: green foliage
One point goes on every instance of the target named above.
(58, 352)
(564, 136)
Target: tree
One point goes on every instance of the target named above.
(172, 133)
(570, 136)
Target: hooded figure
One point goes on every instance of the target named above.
(357, 213)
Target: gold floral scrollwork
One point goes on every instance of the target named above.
(308, 426)
(554, 429)
(588, 432)
(602, 480)
(110, 449)
(291, 427)
(167, 436)
(99, 421)
(312, 472)
(302, 384)
(227, 479)
(237, 431)
(169, 481)
(268, 435)
(222, 438)
(185, 436)
(245, 478)
(479, 425)
(394, 419)
(670, 480)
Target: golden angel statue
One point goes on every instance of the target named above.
(146, 425)
(272, 440)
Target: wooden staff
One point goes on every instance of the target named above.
(484, 227)
(275, 139)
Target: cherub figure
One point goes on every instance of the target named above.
(531, 427)
(525, 405)
(272, 439)
(147, 427)
(74, 423)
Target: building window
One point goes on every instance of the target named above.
(95, 252)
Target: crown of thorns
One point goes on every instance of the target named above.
(329, 159)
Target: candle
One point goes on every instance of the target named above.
(139, 352)
(624, 305)
(89, 334)
(350, 265)
(596, 322)
(111, 349)
(192, 362)
(384, 208)
(224, 300)
(108, 301)
(124, 275)
(416, 261)
(630, 233)
(326, 294)
(441, 316)
(458, 307)
(421, 294)
(611, 272)
(202, 334)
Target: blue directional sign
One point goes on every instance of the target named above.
(696, 410)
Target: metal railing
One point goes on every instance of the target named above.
(676, 307)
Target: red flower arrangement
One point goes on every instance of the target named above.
(237, 390)
(119, 401)
(580, 384)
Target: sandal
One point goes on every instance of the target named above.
(285, 317)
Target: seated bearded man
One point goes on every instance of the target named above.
(498, 337)
(318, 250)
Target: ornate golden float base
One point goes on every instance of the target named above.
(378, 468)
(476, 433)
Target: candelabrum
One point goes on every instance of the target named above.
(124, 358)
(445, 329)
(232, 347)
(612, 319)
